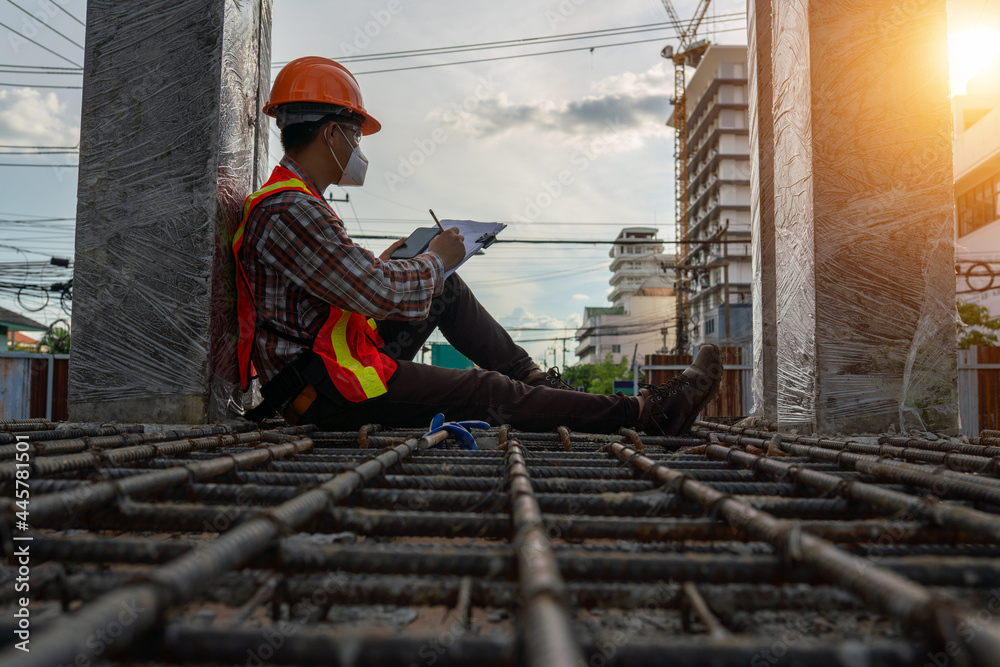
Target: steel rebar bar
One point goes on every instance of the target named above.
(894, 594)
(545, 625)
(182, 578)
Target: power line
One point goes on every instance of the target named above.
(38, 85)
(42, 46)
(389, 237)
(488, 46)
(545, 340)
(525, 41)
(68, 14)
(24, 215)
(74, 43)
(521, 55)
(40, 220)
(9, 69)
(23, 164)
(410, 221)
(57, 69)
(41, 147)
(22, 250)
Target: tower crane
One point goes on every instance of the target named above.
(688, 53)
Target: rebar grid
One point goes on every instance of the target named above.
(285, 545)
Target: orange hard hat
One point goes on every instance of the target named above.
(321, 81)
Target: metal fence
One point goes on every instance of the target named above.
(34, 385)
(735, 398)
(979, 389)
(978, 384)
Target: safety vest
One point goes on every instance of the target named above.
(347, 342)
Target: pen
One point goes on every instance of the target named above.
(440, 226)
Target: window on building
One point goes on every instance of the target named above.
(978, 206)
(996, 196)
(616, 349)
(709, 327)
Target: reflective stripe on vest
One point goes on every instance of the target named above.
(361, 370)
(347, 342)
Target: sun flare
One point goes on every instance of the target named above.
(968, 52)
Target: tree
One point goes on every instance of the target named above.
(975, 318)
(57, 340)
(579, 375)
(597, 378)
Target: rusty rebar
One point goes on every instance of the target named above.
(645, 527)
(98, 443)
(240, 589)
(899, 597)
(181, 579)
(425, 537)
(48, 465)
(982, 525)
(7, 438)
(545, 624)
(698, 604)
(968, 458)
(189, 643)
(941, 446)
(567, 441)
(576, 563)
(938, 481)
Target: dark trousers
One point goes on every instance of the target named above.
(492, 392)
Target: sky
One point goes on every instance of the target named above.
(563, 146)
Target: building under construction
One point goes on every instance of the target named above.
(717, 269)
(790, 538)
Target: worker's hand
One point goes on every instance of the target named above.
(391, 249)
(449, 245)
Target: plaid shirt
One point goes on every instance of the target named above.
(299, 261)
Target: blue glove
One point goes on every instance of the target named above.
(458, 430)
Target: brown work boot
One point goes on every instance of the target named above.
(550, 378)
(672, 407)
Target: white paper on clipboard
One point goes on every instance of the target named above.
(477, 235)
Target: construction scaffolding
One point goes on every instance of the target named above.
(283, 545)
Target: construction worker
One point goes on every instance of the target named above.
(332, 330)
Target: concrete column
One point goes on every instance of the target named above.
(863, 214)
(765, 344)
(172, 140)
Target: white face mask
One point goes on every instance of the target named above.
(357, 165)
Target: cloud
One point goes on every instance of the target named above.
(557, 334)
(553, 327)
(627, 106)
(581, 297)
(28, 118)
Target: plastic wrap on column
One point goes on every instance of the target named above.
(762, 208)
(169, 149)
(793, 220)
(246, 85)
(864, 213)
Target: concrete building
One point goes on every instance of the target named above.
(635, 257)
(977, 189)
(720, 309)
(642, 297)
